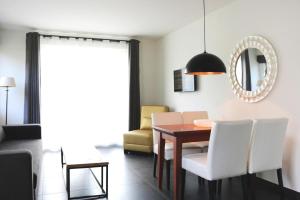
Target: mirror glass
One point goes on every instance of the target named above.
(251, 69)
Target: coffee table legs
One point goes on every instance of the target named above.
(62, 157)
(102, 176)
(106, 177)
(105, 192)
(106, 181)
(68, 181)
(101, 183)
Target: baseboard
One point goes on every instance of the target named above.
(288, 192)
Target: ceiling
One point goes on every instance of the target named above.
(152, 18)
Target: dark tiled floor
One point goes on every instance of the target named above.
(130, 178)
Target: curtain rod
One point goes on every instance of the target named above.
(85, 38)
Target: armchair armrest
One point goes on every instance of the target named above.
(19, 132)
(16, 180)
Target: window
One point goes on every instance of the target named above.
(84, 91)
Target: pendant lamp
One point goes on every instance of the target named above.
(205, 63)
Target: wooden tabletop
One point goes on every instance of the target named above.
(176, 129)
(82, 156)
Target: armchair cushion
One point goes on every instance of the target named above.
(146, 122)
(141, 137)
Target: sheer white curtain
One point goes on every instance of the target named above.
(84, 91)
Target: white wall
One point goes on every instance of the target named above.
(148, 49)
(12, 63)
(274, 19)
(148, 65)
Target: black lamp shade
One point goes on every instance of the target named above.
(205, 64)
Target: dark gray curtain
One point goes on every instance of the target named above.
(246, 72)
(32, 79)
(134, 86)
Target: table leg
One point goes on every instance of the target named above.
(107, 181)
(177, 153)
(161, 156)
(68, 181)
(62, 157)
(102, 176)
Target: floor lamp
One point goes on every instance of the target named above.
(7, 82)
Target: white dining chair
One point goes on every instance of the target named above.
(227, 155)
(169, 118)
(188, 117)
(266, 150)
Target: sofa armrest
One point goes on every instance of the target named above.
(16, 180)
(19, 132)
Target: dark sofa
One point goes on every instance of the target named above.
(20, 160)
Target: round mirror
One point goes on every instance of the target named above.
(253, 69)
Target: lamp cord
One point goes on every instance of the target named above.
(6, 105)
(204, 38)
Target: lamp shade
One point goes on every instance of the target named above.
(205, 64)
(7, 82)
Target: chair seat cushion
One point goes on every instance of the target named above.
(197, 164)
(141, 137)
(201, 144)
(187, 148)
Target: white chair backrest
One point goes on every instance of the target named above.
(228, 148)
(166, 118)
(189, 116)
(266, 149)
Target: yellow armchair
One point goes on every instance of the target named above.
(141, 140)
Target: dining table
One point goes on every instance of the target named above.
(177, 134)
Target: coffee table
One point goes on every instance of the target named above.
(81, 157)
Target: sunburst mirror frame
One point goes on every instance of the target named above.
(268, 51)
